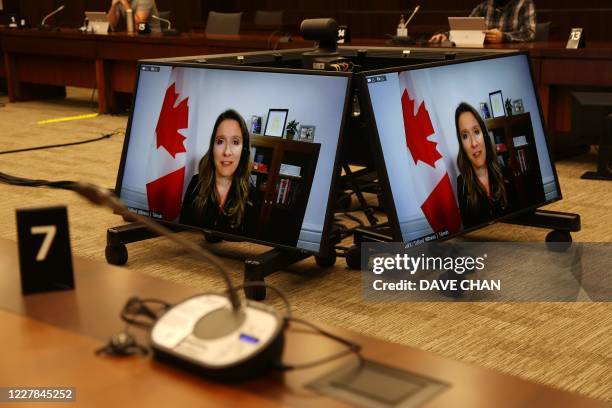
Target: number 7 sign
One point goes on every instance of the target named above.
(45, 259)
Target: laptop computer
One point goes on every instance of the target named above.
(467, 31)
(98, 22)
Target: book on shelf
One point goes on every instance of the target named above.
(290, 170)
(286, 192)
(521, 156)
(519, 141)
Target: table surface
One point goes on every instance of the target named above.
(52, 336)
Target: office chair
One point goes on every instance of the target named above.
(223, 23)
(268, 18)
(542, 31)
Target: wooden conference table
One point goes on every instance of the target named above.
(48, 341)
(35, 63)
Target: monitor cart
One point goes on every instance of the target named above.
(255, 269)
(561, 224)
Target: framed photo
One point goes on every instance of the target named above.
(275, 125)
(256, 125)
(517, 106)
(307, 133)
(484, 110)
(497, 104)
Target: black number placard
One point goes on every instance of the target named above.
(45, 260)
(576, 39)
(344, 34)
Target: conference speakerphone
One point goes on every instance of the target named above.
(204, 334)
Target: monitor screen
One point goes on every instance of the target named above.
(249, 153)
(463, 144)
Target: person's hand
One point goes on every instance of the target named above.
(436, 38)
(493, 36)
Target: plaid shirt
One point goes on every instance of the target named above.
(516, 20)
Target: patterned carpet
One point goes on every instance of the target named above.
(564, 345)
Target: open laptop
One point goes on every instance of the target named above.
(98, 23)
(467, 31)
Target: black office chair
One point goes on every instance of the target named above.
(223, 23)
(268, 18)
(542, 31)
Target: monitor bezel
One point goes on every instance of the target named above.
(380, 160)
(325, 234)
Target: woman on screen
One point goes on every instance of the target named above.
(481, 187)
(217, 198)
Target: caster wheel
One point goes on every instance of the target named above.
(211, 238)
(353, 257)
(116, 255)
(257, 293)
(558, 241)
(325, 261)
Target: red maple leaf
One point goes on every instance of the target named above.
(171, 120)
(418, 128)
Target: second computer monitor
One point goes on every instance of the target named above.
(463, 145)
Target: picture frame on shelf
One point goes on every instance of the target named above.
(497, 104)
(517, 106)
(484, 110)
(307, 133)
(275, 124)
(256, 124)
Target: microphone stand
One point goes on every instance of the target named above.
(45, 27)
(168, 31)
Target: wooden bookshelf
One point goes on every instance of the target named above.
(283, 197)
(516, 150)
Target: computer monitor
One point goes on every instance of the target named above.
(195, 152)
(462, 144)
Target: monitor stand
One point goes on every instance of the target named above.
(255, 269)
(561, 225)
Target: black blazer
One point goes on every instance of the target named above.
(212, 218)
(487, 209)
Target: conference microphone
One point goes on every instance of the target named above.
(405, 39)
(416, 9)
(169, 30)
(43, 25)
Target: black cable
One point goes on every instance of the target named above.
(136, 308)
(28, 149)
(352, 348)
(279, 292)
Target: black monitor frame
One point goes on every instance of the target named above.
(325, 234)
(379, 157)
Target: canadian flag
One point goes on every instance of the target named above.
(171, 145)
(431, 163)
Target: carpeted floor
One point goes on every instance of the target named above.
(564, 345)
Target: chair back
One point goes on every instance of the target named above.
(268, 18)
(223, 23)
(542, 31)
